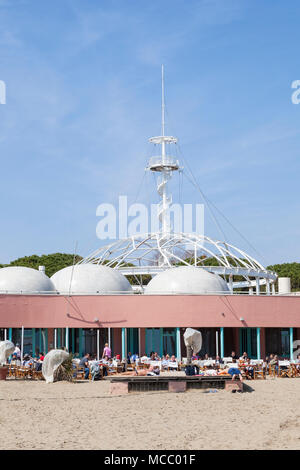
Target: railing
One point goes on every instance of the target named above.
(138, 290)
(167, 161)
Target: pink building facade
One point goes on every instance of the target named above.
(257, 324)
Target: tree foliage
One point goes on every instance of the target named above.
(52, 262)
(56, 261)
(291, 270)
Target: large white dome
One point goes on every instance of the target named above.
(90, 279)
(186, 280)
(19, 279)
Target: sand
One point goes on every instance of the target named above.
(36, 415)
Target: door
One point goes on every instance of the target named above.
(248, 342)
(133, 340)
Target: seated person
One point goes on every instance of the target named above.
(165, 362)
(274, 363)
(144, 358)
(15, 361)
(153, 370)
(28, 361)
(233, 356)
(173, 364)
(84, 362)
(206, 357)
(248, 369)
(134, 357)
(156, 357)
(210, 371)
(218, 361)
(244, 357)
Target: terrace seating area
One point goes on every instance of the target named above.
(251, 369)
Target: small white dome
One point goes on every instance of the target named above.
(186, 280)
(17, 279)
(90, 279)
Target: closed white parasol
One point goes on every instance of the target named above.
(51, 362)
(6, 349)
(193, 338)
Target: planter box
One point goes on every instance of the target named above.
(3, 372)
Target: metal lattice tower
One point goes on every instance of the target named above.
(165, 165)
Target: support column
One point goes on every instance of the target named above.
(258, 342)
(231, 283)
(46, 341)
(55, 338)
(40, 340)
(268, 287)
(67, 338)
(178, 345)
(291, 343)
(109, 338)
(222, 341)
(257, 286)
(124, 355)
(80, 342)
(98, 344)
(5, 334)
(273, 288)
(139, 339)
(22, 343)
(10, 334)
(73, 340)
(217, 343)
(263, 343)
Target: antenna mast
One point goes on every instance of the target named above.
(164, 165)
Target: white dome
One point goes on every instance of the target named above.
(90, 279)
(17, 279)
(186, 280)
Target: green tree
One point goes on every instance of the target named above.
(52, 262)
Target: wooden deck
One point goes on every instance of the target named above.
(167, 383)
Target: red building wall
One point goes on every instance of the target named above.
(117, 311)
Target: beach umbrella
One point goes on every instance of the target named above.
(6, 349)
(51, 362)
(193, 341)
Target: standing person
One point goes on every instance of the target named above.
(106, 351)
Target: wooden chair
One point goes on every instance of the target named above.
(283, 369)
(23, 372)
(295, 370)
(12, 370)
(80, 373)
(259, 372)
(272, 371)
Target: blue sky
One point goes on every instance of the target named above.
(83, 96)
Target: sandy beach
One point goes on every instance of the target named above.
(36, 415)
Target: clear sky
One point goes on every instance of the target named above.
(83, 96)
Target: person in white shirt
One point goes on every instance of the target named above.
(17, 351)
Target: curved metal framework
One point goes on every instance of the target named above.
(152, 253)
